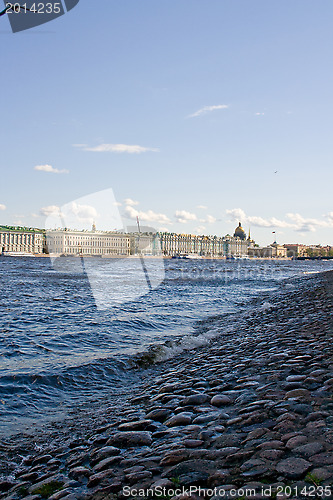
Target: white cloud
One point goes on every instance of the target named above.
(236, 214)
(2, 207)
(208, 109)
(50, 210)
(294, 221)
(200, 229)
(50, 169)
(118, 148)
(202, 207)
(260, 114)
(210, 219)
(309, 224)
(183, 216)
(83, 212)
(148, 216)
(130, 202)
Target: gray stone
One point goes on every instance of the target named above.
(293, 467)
(192, 443)
(273, 454)
(271, 445)
(59, 494)
(307, 450)
(190, 466)
(184, 418)
(227, 440)
(135, 477)
(106, 463)
(127, 439)
(107, 451)
(159, 414)
(298, 394)
(296, 441)
(95, 479)
(195, 399)
(322, 458)
(79, 472)
(220, 400)
(138, 425)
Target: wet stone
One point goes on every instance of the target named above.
(220, 400)
(79, 472)
(159, 414)
(293, 467)
(107, 451)
(28, 477)
(174, 457)
(6, 485)
(42, 460)
(273, 454)
(298, 393)
(59, 494)
(130, 438)
(322, 473)
(95, 479)
(106, 463)
(252, 463)
(270, 445)
(307, 450)
(296, 441)
(322, 459)
(192, 443)
(135, 477)
(179, 419)
(139, 425)
(195, 399)
(295, 378)
(227, 440)
(189, 466)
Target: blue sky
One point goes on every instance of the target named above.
(197, 115)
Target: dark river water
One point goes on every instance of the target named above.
(69, 329)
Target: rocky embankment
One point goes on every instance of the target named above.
(248, 416)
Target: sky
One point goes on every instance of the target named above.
(197, 115)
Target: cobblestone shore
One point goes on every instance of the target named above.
(250, 415)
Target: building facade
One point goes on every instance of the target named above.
(87, 243)
(273, 251)
(145, 244)
(173, 244)
(296, 250)
(21, 240)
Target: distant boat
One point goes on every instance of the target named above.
(17, 254)
(240, 257)
(187, 256)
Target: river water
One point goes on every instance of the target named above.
(69, 332)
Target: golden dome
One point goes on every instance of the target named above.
(239, 232)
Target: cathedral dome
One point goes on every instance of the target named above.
(239, 232)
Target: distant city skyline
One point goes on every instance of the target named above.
(196, 115)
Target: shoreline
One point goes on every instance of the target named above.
(167, 257)
(253, 407)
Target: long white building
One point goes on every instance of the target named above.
(21, 240)
(94, 243)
